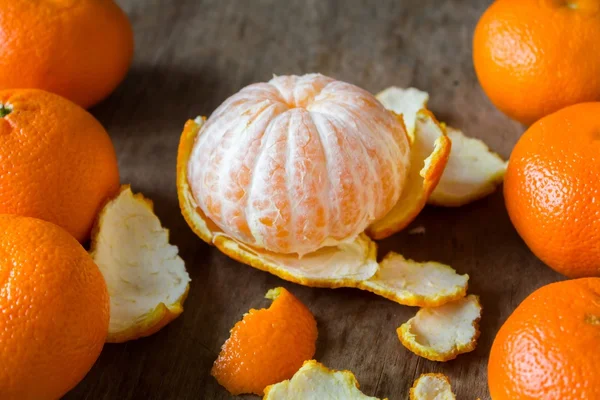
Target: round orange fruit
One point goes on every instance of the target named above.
(80, 49)
(57, 162)
(534, 57)
(54, 310)
(548, 348)
(552, 191)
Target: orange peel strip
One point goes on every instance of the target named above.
(352, 265)
(314, 381)
(145, 276)
(442, 333)
(267, 345)
(429, 155)
(411, 283)
(432, 387)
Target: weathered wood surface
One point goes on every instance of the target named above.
(190, 56)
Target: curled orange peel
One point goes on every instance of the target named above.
(432, 387)
(429, 155)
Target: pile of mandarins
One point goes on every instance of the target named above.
(297, 177)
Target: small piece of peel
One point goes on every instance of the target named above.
(472, 172)
(405, 102)
(411, 283)
(429, 155)
(442, 333)
(432, 387)
(267, 345)
(145, 276)
(314, 381)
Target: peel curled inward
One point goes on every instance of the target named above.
(442, 333)
(314, 381)
(267, 345)
(405, 102)
(146, 279)
(473, 171)
(429, 155)
(432, 387)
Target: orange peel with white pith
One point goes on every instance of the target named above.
(473, 171)
(442, 333)
(432, 387)
(314, 381)
(429, 154)
(146, 279)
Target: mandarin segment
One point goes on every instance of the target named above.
(547, 349)
(267, 346)
(444, 332)
(147, 280)
(314, 381)
(57, 162)
(54, 310)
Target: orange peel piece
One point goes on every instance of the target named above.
(405, 102)
(267, 345)
(314, 381)
(146, 279)
(432, 387)
(429, 155)
(473, 172)
(411, 283)
(353, 264)
(444, 332)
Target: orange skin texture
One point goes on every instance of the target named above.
(551, 190)
(58, 162)
(267, 346)
(534, 57)
(548, 348)
(54, 310)
(80, 49)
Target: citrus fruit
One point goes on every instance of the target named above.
(314, 381)
(432, 387)
(548, 348)
(79, 49)
(267, 346)
(472, 170)
(551, 189)
(351, 263)
(442, 333)
(54, 310)
(57, 162)
(298, 163)
(534, 57)
(146, 279)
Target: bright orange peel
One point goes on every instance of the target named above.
(267, 346)
(432, 387)
(314, 381)
(442, 333)
(146, 279)
(429, 155)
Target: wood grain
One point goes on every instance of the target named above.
(190, 56)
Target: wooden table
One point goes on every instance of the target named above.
(190, 56)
